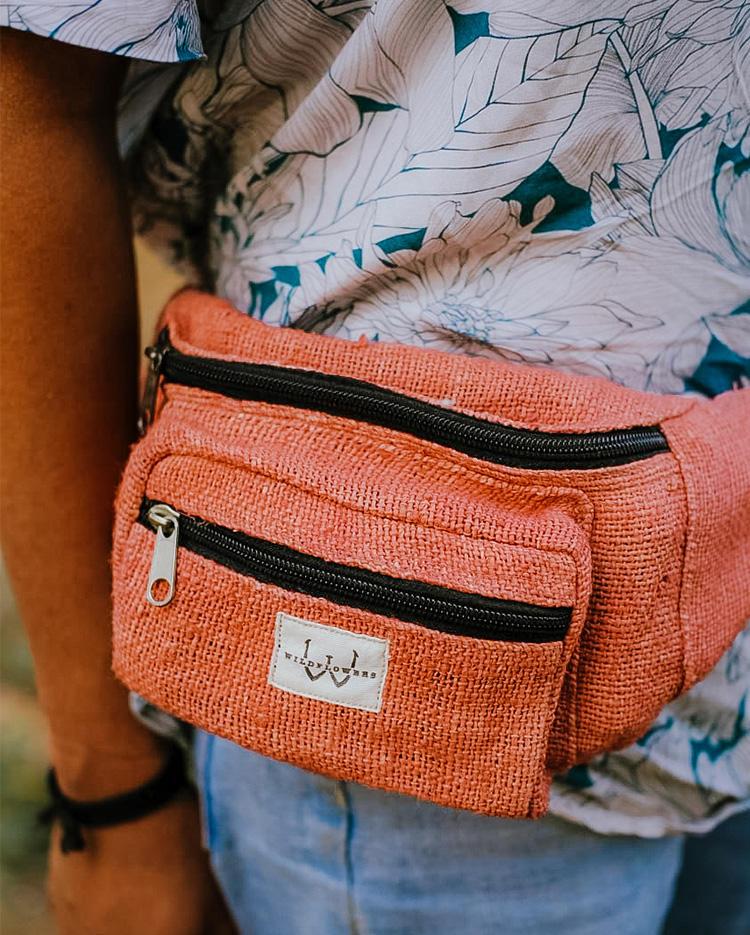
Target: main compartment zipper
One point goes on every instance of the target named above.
(431, 606)
(366, 402)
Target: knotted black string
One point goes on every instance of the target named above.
(74, 815)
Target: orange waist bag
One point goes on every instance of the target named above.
(433, 574)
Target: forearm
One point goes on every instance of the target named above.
(69, 338)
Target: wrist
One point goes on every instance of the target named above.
(91, 771)
(105, 812)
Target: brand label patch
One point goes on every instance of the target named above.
(319, 661)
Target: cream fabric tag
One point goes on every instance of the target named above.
(324, 662)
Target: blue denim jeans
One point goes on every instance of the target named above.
(298, 854)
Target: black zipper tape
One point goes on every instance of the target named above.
(432, 606)
(367, 402)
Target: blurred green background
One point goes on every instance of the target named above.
(23, 757)
(22, 764)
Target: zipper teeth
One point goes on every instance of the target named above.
(344, 581)
(343, 396)
(435, 607)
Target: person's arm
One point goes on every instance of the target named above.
(68, 370)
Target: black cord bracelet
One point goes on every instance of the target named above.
(74, 815)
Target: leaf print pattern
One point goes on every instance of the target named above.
(691, 70)
(393, 60)
(490, 152)
(159, 32)
(555, 182)
(715, 219)
(509, 19)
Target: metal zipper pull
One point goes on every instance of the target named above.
(155, 354)
(166, 522)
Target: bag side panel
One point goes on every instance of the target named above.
(712, 445)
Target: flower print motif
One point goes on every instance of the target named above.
(304, 229)
(479, 285)
(450, 269)
(663, 275)
(710, 216)
(329, 197)
(462, 137)
(263, 64)
(242, 264)
(675, 248)
(561, 309)
(733, 331)
(613, 301)
(732, 190)
(414, 70)
(680, 272)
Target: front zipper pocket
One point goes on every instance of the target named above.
(439, 608)
(375, 405)
(379, 612)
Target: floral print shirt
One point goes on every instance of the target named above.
(555, 182)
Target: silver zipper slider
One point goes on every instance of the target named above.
(155, 355)
(166, 522)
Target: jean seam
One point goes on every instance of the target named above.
(208, 810)
(351, 902)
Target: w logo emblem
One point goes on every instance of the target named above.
(328, 668)
(327, 663)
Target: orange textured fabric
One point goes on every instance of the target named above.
(650, 556)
